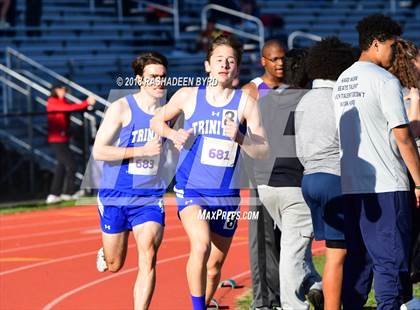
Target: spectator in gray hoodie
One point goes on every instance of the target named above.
(317, 147)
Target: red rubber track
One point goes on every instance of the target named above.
(47, 261)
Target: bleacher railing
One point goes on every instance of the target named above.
(296, 34)
(10, 52)
(70, 84)
(256, 37)
(27, 89)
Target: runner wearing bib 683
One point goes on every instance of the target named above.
(207, 176)
(131, 190)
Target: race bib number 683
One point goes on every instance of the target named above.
(144, 165)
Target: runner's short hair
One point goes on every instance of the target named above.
(228, 40)
(376, 26)
(148, 58)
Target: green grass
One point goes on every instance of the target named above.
(35, 207)
(85, 200)
(244, 302)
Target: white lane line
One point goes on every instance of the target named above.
(42, 245)
(35, 214)
(70, 220)
(91, 231)
(45, 223)
(47, 244)
(240, 275)
(58, 260)
(89, 284)
(60, 298)
(52, 232)
(52, 261)
(63, 259)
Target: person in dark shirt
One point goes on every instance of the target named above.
(264, 236)
(279, 187)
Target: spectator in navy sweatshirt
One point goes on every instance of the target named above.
(59, 109)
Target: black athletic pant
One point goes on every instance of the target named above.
(64, 171)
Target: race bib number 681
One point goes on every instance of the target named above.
(218, 152)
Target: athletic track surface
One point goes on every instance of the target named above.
(47, 261)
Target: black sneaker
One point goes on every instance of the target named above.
(316, 298)
(415, 277)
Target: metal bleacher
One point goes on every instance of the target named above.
(326, 18)
(91, 49)
(95, 47)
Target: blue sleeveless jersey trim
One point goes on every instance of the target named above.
(207, 122)
(263, 89)
(116, 176)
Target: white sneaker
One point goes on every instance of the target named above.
(52, 199)
(75, 196)
(413, 304)
(78, 194)
(100, 261)
(65, 197)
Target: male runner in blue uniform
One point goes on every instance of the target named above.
(207, 177)
(131, 190)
